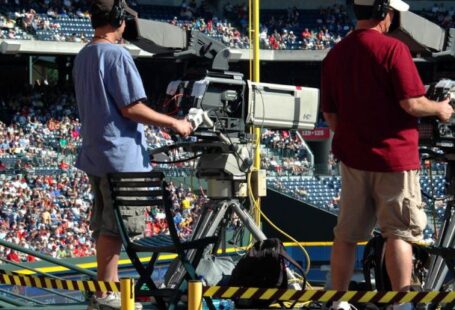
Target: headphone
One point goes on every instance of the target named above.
(380, 9)
(117, 14)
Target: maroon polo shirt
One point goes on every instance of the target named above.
(364, 77)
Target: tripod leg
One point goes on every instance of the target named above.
(211, 217)
(246, 219)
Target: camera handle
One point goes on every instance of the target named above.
(198, 117)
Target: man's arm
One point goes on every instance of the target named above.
(422, 106)
(141, 113)
(331, 119)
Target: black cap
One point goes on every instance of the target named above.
(104, 7)
(109, 11)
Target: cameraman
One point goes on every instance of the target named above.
(371, 97)
(110, 97)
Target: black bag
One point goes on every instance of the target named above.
(374, 259)
(263, 266)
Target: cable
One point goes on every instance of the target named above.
(176, 161)
(166, 104)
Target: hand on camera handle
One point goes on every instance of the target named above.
(183, 127)
(445, 110)
(198, 117)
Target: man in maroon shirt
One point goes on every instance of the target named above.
(371, 96)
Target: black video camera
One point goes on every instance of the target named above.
(433, 132)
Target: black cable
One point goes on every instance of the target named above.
(176, 161)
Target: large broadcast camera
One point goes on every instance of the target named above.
(432, 132)
(222, 105)
(227, 98)
(430, 42)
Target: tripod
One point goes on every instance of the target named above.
(226, 184)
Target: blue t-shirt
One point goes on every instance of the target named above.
(106, 80)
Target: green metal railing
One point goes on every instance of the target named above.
(49, 259)
(11, 299)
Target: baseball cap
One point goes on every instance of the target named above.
(398, 5)
(104, 7)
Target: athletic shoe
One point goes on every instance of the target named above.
(110, 302)
(342, 305)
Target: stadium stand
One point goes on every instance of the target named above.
(281, 29)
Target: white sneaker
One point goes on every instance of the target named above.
(110, 302)
(341, 305)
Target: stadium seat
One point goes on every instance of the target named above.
(131, 194)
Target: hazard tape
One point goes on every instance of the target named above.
(43, 282)
(326, 296)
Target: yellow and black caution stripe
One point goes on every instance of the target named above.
(326, 296)
(43, 282)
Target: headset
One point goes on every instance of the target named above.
(380, 9)
(117, 14)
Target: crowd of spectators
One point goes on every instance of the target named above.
(287, 31)
(47, 210)
(284, 154)
(10, 30)
(282, 29)
(292, 31)
(24, 19)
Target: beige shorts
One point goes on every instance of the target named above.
(102, 220)
(392, 200)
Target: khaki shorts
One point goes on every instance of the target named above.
(392, 200)
(102, 220)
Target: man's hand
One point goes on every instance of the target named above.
(141, 113)
(445, 110)
(183, 127)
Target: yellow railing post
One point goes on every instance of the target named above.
(195, 295)
(127, 293)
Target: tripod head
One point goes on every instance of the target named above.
(224, 164)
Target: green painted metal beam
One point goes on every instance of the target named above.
(47, 258)
(44, 274)
(22, 297)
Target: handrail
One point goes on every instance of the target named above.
(11, 301)
(23, 266)
(44, 274)
(47, 258)
(22, 297)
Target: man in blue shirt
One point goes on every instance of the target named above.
(110, 97)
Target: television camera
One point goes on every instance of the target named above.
(432, 132)
(222, 105)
